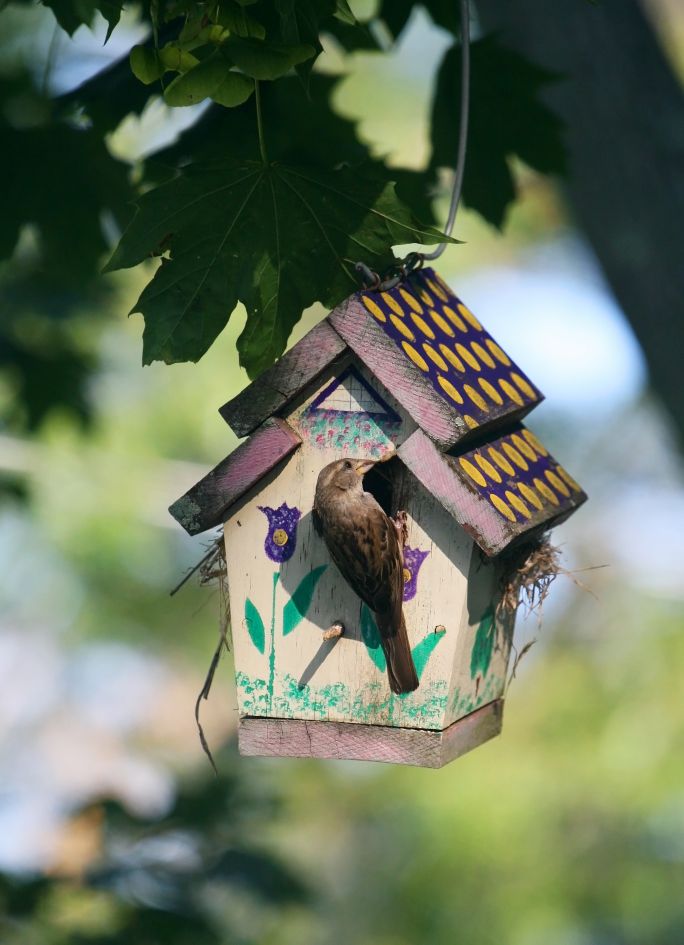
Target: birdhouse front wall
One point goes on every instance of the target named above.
(285, 591)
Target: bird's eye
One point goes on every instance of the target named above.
(347, 464)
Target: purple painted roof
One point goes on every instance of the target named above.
(439, 335)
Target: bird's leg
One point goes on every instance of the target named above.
(400, 523)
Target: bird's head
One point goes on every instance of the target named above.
(344, 474)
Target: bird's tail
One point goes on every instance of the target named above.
(400, 666)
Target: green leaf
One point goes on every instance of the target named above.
(70, 14)
(177, 59)
(371, 637)
(233, 16)
(213, 79)
(262, 60)
(485, 637)
(444, 13)
(146, 64)
(422, 651)
(255, 626)
(274, 237)
(344, 13)
(506, 119)
(298, 605)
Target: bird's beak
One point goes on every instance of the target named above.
(363, 465)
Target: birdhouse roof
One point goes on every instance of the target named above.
(423, 344)
(464, 393)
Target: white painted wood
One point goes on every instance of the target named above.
(303, 676)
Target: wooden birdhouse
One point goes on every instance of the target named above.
(410, 376)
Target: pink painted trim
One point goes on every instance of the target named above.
(280, 384)
(379, 353)
(206, 504)
(298, 738)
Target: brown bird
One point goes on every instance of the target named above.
(364, 544)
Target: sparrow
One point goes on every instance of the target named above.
(364, 544)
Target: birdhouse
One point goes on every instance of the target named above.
(410, 377)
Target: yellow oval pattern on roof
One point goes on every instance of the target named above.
(557, 483)
(393, 304)
(531, 496)
(449, 388)
(473, 472)
(490, 391)
(452, 358)
(417, 359)
(374, 309)
(518, 504)
(511, 392)
(439, 292)
(411, 301)
(546, 492)
(500, 355)
(522, 385)
(402, 328)
(534, 443)
(442, 323)
(487, 467)
(513, 454)
(564, 474)
(501, 506)
(501, 461)
(476, 398)
(453, 317)
(470, 421)
(423, 326)
(469, 317)
(426, 298)
(468, 357)
(483, 355)
(433, 356)
(523, 446)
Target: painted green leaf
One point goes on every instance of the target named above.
(298, 605)
(275, 237)
(213, 79)
(481, 655)
(255, 626)
(422, 651)
(371, 637)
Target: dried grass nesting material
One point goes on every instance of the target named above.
(527, 580)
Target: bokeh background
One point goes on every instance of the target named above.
(566, 830)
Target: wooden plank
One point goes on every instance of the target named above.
(205, 505)
(401, 378)
(498, 492)
(437, 472)
(295, 738)
(275, 388)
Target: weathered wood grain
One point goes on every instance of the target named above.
(275, 388)
(425, 748)
(413, 391)
(205, 505)
(437, 472)
(499, 491)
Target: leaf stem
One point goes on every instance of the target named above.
(260, 122)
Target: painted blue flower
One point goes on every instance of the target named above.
(281, 538)
(413, 560)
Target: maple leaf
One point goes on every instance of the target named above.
(276, 238)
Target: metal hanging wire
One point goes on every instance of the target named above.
(400, 271)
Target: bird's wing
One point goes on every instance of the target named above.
(364, 545)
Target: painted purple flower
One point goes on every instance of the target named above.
(413, 559)
(281, 538)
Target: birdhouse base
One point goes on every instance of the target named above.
(425, 748)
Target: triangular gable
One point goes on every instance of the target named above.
(351, 393)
